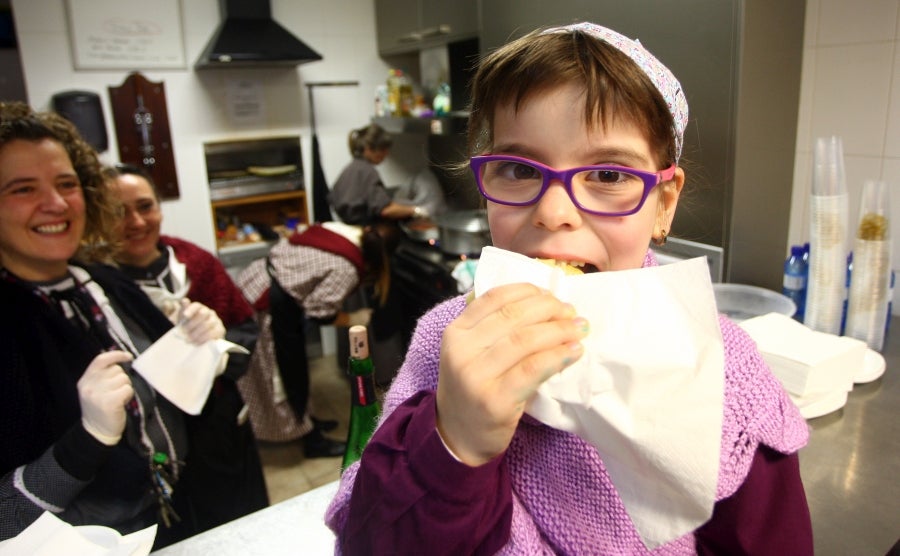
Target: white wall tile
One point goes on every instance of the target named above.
(804, 117)
(850, 95)
(892, 137)
(853, 22)
(798, 231)
(811, 24)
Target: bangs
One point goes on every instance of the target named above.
(615, 88)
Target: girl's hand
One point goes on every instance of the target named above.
(103, 391)
(494, 357)
(200, 323)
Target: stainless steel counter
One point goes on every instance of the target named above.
(851, 471)
(851, 466)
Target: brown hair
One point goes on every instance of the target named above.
(377, 268)
(373, 136)
(19, 122)
(125, 169)
(615, 87)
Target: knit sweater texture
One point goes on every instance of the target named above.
(562, 494)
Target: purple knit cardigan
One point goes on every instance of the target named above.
(561, 489)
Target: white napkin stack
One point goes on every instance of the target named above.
(648, 392)
(806, 361)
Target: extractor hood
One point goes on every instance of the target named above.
(249, 37)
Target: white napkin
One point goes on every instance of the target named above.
(51, 536)
(648, 392)
(184, 372)
(806, 361)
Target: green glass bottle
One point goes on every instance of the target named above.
(364, 406)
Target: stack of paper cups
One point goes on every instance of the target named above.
(827, 238)
(870, 282)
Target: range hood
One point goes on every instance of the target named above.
(249, 37)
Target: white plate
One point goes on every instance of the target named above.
(820, 404)
(105, 537)
(873, 367)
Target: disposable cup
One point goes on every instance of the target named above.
(869, 296)
(829, 177)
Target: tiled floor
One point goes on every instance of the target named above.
(286, 471)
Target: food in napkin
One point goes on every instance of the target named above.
(648, 392)
(184, 372)
(51, 536)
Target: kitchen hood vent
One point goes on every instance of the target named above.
(249, 37)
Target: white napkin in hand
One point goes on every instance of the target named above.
(184, 372)
(648, 392)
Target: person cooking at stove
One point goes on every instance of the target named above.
(83, 436)
(172, 271)
(575, 135)
(359, 196)
(305, 279)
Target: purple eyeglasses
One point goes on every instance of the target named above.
(602, 190)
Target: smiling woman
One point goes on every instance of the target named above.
(83, 436)
(42, 209)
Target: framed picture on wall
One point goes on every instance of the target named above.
(126, 34)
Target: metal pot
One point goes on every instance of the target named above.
(463, 232)
(424, 231)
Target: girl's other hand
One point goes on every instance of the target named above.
(200, 323)
(103, 391)
(494, 357)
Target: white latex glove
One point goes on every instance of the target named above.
(103, 391)
(199, 322)
(359, 317)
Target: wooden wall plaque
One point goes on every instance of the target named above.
(142, 130)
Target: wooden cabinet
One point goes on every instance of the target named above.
(270, 209)
(409, 25)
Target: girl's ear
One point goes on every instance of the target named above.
(668, 199)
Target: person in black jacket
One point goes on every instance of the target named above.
(83, 436)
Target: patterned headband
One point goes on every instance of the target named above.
(659, 74)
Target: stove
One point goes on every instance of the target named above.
(422, 277)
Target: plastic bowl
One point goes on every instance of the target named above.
(742, 302)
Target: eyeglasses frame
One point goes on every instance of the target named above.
(549, 174)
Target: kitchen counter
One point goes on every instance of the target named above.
(850, 470)
(295, 526)
(851, 466)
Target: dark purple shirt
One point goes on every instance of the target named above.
(410, 493)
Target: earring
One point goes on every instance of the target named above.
(661, 240)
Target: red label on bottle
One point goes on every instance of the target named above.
(361, 391)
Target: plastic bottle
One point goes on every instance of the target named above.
(794, 283)
(407, 98)
(364, 405)
(381, 101)
(847, 293)
(393, 93)
(890, 309)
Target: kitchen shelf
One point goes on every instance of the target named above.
(269, 209)
(450, 124)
